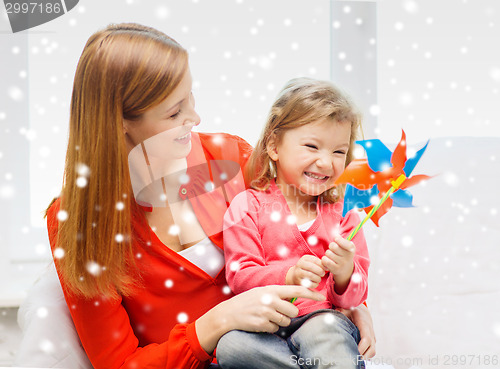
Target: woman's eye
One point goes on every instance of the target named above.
(175, 114)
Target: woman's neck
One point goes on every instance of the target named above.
(154, 184)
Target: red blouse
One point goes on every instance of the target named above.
(155, 327)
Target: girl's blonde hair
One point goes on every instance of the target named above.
(123, 71)
(300, 102)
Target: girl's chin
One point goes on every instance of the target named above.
(313, 190)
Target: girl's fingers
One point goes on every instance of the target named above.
(330, 259)
(311, 277)
(315, 269)
(311, 263)
(329, 264)
(336, 249)
(345, 245)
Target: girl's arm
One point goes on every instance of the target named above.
(353, 290)
(246, 265)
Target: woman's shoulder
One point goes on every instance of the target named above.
(218, 137)
(53, 210)
(224, 143)
(54, 215)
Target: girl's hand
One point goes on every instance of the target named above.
(307, 272)
(261, 309)
(339, 260)
(362, 319)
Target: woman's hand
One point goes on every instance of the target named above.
(362, 319)
(261, 309)
(307, 272)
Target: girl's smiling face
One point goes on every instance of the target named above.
(310, 158)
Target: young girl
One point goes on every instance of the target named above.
(289, 230)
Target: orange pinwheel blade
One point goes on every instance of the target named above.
(359, 175)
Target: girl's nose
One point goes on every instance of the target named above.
(324, 161)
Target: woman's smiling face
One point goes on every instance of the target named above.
(172, 119)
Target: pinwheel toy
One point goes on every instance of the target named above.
(379, 182)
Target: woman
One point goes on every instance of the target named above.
(136, 233)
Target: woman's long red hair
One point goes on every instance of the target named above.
(123, 71)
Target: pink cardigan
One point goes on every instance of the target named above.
(261, 242)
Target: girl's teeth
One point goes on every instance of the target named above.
(315, 176)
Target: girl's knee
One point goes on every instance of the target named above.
(228, 343)
(230, 348)
(328, 325)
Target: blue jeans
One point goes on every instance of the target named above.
(322, 339)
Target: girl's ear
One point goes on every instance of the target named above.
(272, 148)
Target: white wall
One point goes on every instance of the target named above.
(439, 68)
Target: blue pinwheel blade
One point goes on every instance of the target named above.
(377, 154)
(412, 162)
(360, 199)
(402, 199)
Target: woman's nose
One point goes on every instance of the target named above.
(193, 119)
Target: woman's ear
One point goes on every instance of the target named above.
(272, 147)
(128, 140)
(125, 125)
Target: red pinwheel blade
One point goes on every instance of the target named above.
(398, 158)
(413, 180)
(384, 208)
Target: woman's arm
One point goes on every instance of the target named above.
(261, 309)
(362, 318)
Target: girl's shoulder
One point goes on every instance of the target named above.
(252, 201)
(250, 196)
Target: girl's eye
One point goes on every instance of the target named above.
(340, 152)
(311, 146)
